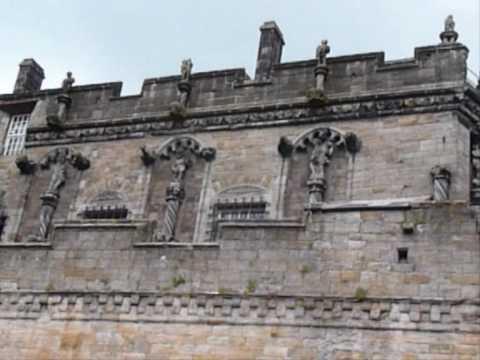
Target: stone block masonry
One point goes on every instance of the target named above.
(325, 209)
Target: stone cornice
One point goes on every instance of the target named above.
(431, 315)
(296, 113)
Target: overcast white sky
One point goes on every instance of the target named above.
(119, 40)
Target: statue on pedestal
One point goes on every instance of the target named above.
(186, 69)
(68, 82)
(322, 51)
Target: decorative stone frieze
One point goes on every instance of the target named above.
(210, 121)
(392, 314)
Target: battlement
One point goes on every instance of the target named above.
(432, 67)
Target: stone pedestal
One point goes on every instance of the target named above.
(58, 119)
(449, 37)
(316, 190)
(321, 72)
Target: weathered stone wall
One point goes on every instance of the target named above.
(37, 340)
(376, 270)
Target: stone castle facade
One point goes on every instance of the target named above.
(325, 209)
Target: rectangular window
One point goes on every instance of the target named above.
(16, 134)
(237, 211)
(240, 211)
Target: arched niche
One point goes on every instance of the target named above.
(316, 168)
(54, 184)
(179, 175)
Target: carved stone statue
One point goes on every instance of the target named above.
(175, 195)
(441, 183)
(184, 87)
(179, 168)
(449, 35)
(476, 166)
(186, 69)
(319, 159)
(322, 51)
(57, 113)
(449, 23)
(68, 82)
(321, 72)
(59, 172)
(57, 160)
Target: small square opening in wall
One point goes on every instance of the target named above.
(402, 255)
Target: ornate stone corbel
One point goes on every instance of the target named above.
(25, 165)
(440, 183)
(285, 147)
(58, 115)
(178, 109)
(449, 35)
(56, 161)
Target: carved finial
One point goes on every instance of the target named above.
(322, 51)
(186, 69)
(68, 82)
(449, 35)
(285, 147)
(352, 143)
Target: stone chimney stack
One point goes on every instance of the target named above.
(29, 78)
(269, 50)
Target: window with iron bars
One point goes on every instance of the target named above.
(237, 211)
(16, 134)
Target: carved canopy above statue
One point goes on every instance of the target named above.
(176, 146)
